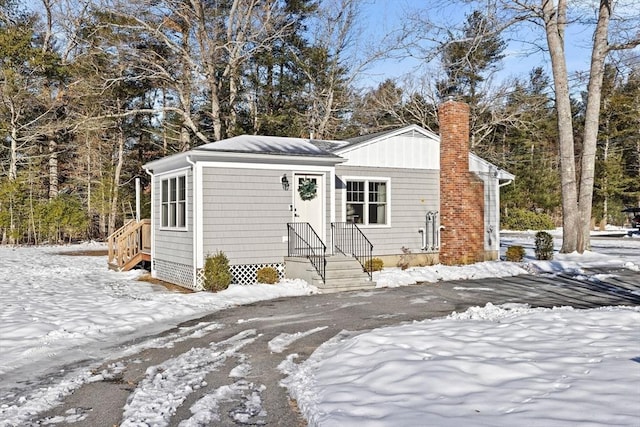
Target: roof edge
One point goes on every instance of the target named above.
(387, 135)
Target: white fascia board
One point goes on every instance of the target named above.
(168, 163)
(486, 166)
(179, 161)
(172, 172)
(268, 166)
(254, 158)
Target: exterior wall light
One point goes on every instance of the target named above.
(285, 182)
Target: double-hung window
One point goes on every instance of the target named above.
(367, 201)
(174, 202)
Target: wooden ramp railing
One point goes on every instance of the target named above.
(130, 245)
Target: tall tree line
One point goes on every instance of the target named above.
(93, 89)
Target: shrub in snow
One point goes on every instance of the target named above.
(374, 264)
(524, 219)
(267, 275)
(544, 245)
(515, 253)
(217, 275)
(62, 217)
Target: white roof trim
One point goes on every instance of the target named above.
(180, 159)
(488, 166)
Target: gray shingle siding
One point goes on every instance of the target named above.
(173, 245)
(245, 214)
(413, 193)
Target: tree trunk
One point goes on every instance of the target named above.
(13, 155)
(605, 182)
(89, 204)
(53, 168)
(638, 165)
(215, 111)
(113, 213)
(555, 21)
(592, 115)
(327, 110)
(233, 95)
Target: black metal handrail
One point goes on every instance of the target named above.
(305, 242)
(349, 240)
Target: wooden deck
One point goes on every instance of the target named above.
(130, 245)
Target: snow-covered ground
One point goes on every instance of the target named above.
(57, 309)
(489, 366)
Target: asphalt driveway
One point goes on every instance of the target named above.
(101, 402)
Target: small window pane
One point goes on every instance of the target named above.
(182, 188)
(165, 215)
(378, 192)
(165, 191)
(172, 190)
(355, 191)
(377, 214)
(355, 213)
(182, 209)
(172, 215)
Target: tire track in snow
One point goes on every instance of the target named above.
(166, 386)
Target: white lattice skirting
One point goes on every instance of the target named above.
(173, 272)
(182, 274)
(245, 274)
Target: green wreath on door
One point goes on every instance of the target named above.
(308, 189)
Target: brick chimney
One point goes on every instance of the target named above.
(461, 191)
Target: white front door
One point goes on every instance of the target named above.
(308, 201)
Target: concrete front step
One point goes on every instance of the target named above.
(344, 285)
(342, 273)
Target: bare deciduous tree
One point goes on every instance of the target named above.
(554, 17)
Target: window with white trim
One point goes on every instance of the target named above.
(173, 213)
(367, 202)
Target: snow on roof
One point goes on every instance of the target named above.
(367, 137)
(268, 145)
(409, 130)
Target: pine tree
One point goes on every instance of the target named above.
(529, 147)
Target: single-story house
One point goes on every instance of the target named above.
(296, 204)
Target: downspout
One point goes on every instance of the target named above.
(490, 204)
(500, 185)
(153, 230)
(194, 207)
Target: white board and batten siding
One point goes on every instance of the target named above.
(414, 148)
